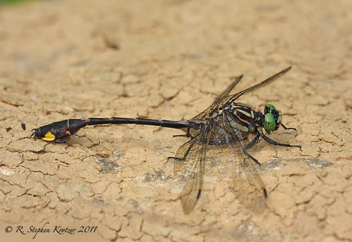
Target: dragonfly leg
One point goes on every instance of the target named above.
(184, 155)
(187, 135)
(249, 145)
(254, 159)
(273, 142)
(288, 128)
(190, 142)
(255, 140)
(174, 157)
(183, 135)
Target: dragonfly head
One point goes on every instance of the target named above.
(272, 118)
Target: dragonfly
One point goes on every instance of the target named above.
(224, 132)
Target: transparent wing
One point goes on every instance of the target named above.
(219, 147)
(225, 153)
(248, 186)
(229, 89)
(189, 161)
(219, 98)
(232, 98)
(225, 98)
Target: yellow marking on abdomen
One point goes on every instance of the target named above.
(49, 136)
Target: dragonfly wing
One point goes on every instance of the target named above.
(228, 89)
(189, 161)
(219, 146)
(232, 98)
(226, 98)
(248, 186)
(219, 98)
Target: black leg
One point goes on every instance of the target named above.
(249, 145)
(185, 154)
(187, 135)
(182, 135)
(288, 128)
(254, 159)
(173, 157)
(255, 140)
(273, 142)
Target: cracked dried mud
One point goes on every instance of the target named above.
(168, 60)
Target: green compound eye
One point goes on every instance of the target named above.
(269, 122)
(270, 107)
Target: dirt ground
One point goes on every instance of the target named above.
(168, 60)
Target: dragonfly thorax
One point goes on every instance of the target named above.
(242, 116)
